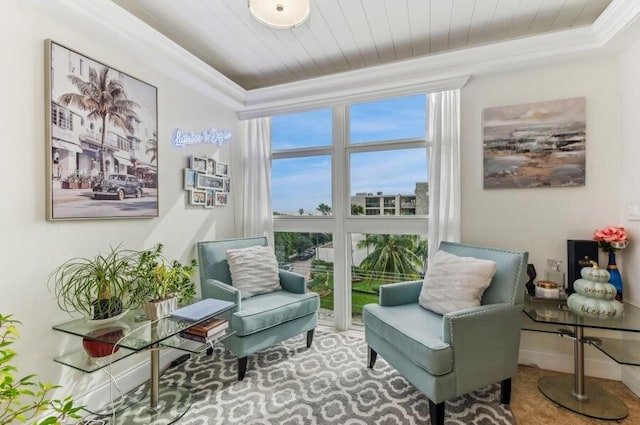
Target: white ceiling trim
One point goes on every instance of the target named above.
(154, 49)
(617, 17)
(429, 73)
(417, 74)
(423, 74)
(357, 93)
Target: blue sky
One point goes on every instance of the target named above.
(306, 182)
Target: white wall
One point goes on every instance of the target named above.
(628, 72)
(540, 220)
(31, 246)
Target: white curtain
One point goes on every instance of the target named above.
(444, 168)
(255, 157)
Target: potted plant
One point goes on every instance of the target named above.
(71, 182)
(99, 287)
(21, 398)
(162, 283)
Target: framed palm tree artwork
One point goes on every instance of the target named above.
(102, 143)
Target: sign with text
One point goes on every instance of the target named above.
(213, 136)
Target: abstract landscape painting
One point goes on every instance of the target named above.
(535, 144)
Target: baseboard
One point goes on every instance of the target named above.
(631, 378)
(127, 380)
(596, 367)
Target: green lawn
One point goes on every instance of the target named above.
(358, 299)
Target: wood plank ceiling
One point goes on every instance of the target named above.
(343, 35)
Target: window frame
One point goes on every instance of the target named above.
(341, 223)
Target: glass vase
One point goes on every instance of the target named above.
(614, 275)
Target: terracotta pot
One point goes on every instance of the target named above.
(98, 347)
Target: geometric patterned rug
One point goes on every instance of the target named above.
(327, 384)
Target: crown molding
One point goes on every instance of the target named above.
(424, 73)
(150, 47)
(353, 93)
(429, 73)
(616, 18)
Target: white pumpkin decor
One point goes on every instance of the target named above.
(594, 273)
(594, 296)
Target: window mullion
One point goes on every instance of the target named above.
(341, 283)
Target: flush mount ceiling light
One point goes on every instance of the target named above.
(281, 14)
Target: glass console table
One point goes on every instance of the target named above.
(129, 334)
(571, 392)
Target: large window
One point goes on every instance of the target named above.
(301, 186)
(311, 255)
(388, 119)
(380, 259)
(350, 172)
(301, 163)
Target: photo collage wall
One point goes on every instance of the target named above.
(207, 182)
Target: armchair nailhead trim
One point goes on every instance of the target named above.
(470, 314)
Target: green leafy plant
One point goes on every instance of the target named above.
(99, 286)
(158, 279)
(22, 399)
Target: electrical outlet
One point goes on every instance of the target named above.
(633, 212)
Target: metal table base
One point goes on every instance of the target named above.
(572, 393)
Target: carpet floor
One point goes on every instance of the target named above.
(329, 384)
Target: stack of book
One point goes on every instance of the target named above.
(209, 330)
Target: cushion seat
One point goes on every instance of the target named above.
(415, 332)
(272, 309)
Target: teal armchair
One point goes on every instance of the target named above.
(261, 320)
(446, 356)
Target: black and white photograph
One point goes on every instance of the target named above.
(198, 163)
(208, 181)
(226, 185)
(103, 149)
(211, 166)
(198, 197)
(211, 198)
(221, 198)
(222, 169)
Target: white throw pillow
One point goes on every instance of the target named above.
(454, 283)
(254, 270)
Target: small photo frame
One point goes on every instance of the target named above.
(221, 198)
(198, 164)
(211, 166)
(189, 179)
(226, 185)
(222, 169)
(211, 198)
(208, 181)
(198, 197)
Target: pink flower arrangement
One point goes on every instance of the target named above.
(611, 238)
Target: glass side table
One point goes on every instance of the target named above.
(133, 333)
(571, 392)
